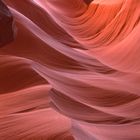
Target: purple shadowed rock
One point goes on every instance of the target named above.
(6, 25)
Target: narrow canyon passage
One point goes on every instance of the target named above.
(69, 70)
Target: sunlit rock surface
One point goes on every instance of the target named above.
(72, 70)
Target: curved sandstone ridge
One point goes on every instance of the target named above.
(72, 71)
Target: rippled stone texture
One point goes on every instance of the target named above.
(72, 72)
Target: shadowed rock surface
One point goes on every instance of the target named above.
(6, 25)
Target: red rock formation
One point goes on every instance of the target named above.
(72, 72)
(6, 25)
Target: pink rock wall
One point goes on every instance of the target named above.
(72, 71)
